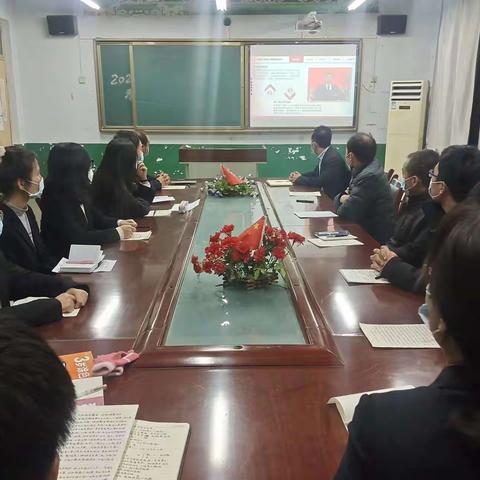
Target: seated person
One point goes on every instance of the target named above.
(21, 181)
(38, 402)
(411, 221)
(142, 172)
(115, 190)
(163, 178)
(452, 179)
(68, 215)
(432, 432)
(17, 283)
(331, 174)
(368, 200)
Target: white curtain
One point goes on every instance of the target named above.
(454, 76)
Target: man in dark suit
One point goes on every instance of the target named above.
(331, 174)
(328, 91)
(17, 283)
(368, 200)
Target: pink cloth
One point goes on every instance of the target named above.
(111, 365)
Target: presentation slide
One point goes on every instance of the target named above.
(294, 86)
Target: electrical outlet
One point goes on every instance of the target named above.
(82, 80)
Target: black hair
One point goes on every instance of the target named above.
(454, 260)
(459, 168)
(131, 135)
(68, 166)
(142, 135)
(322, 136)
(16, 164)
(116, 173)
(37, 401)
(363, 146)
(420, 163)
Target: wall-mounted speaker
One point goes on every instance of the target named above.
(62, 25)
(391, 24)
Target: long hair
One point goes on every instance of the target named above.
(115, 176)
(68, 166)
(454, 261)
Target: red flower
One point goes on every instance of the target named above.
(215, 238)
(227, 229)
(243, 247)
(268, 230)
(279, 253)
(197, 267)
(219, 267)
(296, 238)
(259, 256)
(207, 266)
(194, 259)
(235, 256)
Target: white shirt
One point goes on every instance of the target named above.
(320, 158)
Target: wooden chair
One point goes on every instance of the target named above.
(397, 195)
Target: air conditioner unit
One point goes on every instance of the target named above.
(406, 121)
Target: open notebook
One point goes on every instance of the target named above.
(346, 404)
(107, 443)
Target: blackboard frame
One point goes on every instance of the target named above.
(245, 66)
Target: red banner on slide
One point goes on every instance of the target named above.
(296, 58)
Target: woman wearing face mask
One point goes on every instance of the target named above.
(68, 214)
(433, 432)
(115, 190)
(21, 181)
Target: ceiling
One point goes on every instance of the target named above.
(235, 7)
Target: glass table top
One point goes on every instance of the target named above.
(207, 314)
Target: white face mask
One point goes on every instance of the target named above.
(90, 175)
(433, 197)
(140, 158)
(38, 194)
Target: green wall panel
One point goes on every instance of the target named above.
(281, 159)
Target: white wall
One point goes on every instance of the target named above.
(57, 108)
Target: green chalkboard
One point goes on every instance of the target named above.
(188, 85)
(115, 81)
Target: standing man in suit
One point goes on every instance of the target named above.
(368, 200)
(328, 91)
(331, 173)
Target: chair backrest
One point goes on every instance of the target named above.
(397, 196)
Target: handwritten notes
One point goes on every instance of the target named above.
(399, 336)
(97, 442)
(154, 451)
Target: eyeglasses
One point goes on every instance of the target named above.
(431, 173)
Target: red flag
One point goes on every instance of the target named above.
(253, 235)
(231, 178)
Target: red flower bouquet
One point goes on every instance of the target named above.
(251, 259)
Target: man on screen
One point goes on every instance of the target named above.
(328, 91)
(331, 174)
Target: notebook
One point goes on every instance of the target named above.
(81, 259)
(279, 183)
(346, 404)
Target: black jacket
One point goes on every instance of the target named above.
(17, 283)
(408, 276)
(123, 204)
(408, 227)
(64, 224)
(407, 435)
(334, 174)
(370, 203)
(17, 245)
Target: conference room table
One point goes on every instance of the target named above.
(255, 411)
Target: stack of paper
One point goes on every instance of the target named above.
(399, 336)
(106, 443)
(346, 404)
(305, 194)
(163, 199)
(363, 276)
(279, 183)
(81, 259)
(315, 214)
(340, 242)
(140, 236)
(73, 313)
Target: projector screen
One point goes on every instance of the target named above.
(295, 86)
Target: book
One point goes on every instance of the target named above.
(399, 336)
(362, 276)
(78, 365)
(346, 404)
(279, 183)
